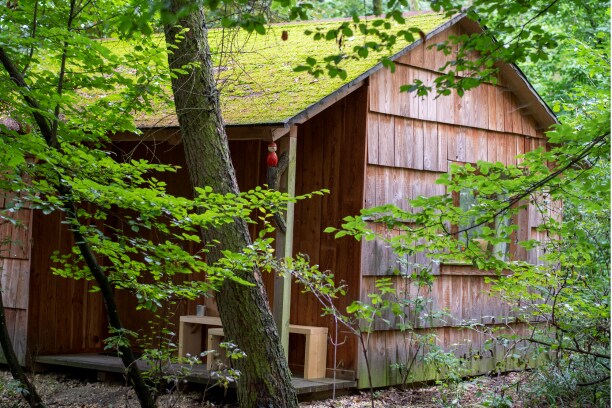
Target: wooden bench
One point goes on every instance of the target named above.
(190, 336)
(315, 355)
(190, 333)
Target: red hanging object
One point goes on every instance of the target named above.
(272, 158)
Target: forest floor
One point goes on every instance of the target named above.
(78, 390)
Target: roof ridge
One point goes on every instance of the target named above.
(339, 19)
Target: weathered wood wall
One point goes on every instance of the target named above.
(330, 154)
(411, 141)
(64, 316)
(15, 242)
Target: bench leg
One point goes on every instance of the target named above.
(316, 356)
(216, 354)
(190, 339)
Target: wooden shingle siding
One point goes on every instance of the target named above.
(391, 348)
(330, 154)
(503, 112)
(461, 291)
(411, 141)
(406, 143)
(15, 247)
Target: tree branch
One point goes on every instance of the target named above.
(575, 350)
(534, 187)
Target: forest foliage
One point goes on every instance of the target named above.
(562, 46)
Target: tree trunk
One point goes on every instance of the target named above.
(377, 7)
(265, 379)
(28, 391)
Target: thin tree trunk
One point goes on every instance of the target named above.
(265, 379)
(377, 7)
(28, 391)
(143, 392)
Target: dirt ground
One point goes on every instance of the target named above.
(79, 390)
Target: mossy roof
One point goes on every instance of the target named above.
(258, 83)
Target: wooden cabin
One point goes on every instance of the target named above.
(360, 138)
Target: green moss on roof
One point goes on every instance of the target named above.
(257, 82)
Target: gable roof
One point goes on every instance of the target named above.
(259, 86)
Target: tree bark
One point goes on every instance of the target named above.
(265, 379)
(28, 391)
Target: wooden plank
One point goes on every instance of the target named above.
(491, 147)
(482, 149)
(479, 102)
(15, 283)
(16, 325)
(422, 101)
(413, 57)
(465, 114)
(381, 183)
(368, 257)
(396, 188)
(253, 132)
(316, 350)
(503, 147)
(522, 234)
(372, 136)
(404, 143)
(491, 92)
(456, 144)
(430, 99)
(508, 111)
(330, 250)
(20, 245)
(430, 146)
(380, 84)
(403, 189)
(451, 140)
(512, 146)
(429, 55)
(500, 108)
(457, 300)
(386, 140)
(445, 301)
(199, 375)
(378, 362)
(471, 145)
(312, 227)
(284, 245)
(418, 146)
(445, 110)
(401, 102)
(296, 290)
(496, 150)
(370, 186)
(373, 100)
(529, 126)
(442, 148)
(476, 299)
(440, 57)
(517, 120)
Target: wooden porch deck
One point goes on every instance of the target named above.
(199, 374)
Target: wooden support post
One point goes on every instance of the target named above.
(284, 244)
